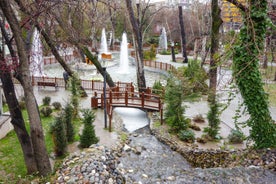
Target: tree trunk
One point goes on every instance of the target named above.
(203, 52)
(97, 64)
(113, 26)
(136, 27)
(195, 49)
(36, 131)
(248, 77)
(17, 119)
(216, 22)
(183, 35)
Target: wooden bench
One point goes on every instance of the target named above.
(47, 84)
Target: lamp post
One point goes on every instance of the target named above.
(105, 113)
(172, 50)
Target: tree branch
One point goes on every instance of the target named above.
(238, 5)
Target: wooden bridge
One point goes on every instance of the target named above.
(128, 98)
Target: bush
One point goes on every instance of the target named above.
(213, 119)
(22, 104)
(57, 130)
(174, 110)
(68, 117)
(199, 118)
(46, 100)
(196, 76)
(157, 88)
(236, 136)
(187, 136)
(46, 111)
(56, 105)
(195, 127)
(88, 136)
(150, 54)
(165, 52)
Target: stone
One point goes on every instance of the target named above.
(171, 178)
(138, 150)
(127, 148)
(145, 176)
(271, 165)
(66, 178)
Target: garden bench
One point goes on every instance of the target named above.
(47, 84)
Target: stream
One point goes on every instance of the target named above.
(145, 160)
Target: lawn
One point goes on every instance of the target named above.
(11, 157)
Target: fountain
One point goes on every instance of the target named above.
(124, 69)
(36, 59)
(163, 45)
(104, 51)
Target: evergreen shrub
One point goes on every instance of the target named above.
(46, 111)
(158, 88)
(187, 136)
(56, 105)
(88, 136)
(68, 120)
(58, 132)
(46, 100)
(236, 136)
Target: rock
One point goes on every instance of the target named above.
(271, 165)
(144, 176)
(66, 178)
(126, 148)
(130, 171)
(138, 150)
(171, 178)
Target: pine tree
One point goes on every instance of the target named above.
(58, 132)
(88, 136)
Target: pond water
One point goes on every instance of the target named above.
(89, 72)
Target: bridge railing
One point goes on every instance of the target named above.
(132, 99)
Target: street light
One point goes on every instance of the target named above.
(172, 50)
(104, 65)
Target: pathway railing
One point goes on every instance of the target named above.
(159, 65)
(94, 85)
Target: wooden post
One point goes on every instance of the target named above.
(126, 98)
(143, 100)
(161, 116)
(110, 97)
(110, 119)
(33, 82)
(102, 101)
(92, 85)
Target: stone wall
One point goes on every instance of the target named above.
(211, 158)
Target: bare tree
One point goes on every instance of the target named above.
(138, 41)
(183, 36)
(23, 75)
(216, 23)
(15, 112)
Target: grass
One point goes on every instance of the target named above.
(12, 163)
(271, 90)
(270, 87)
